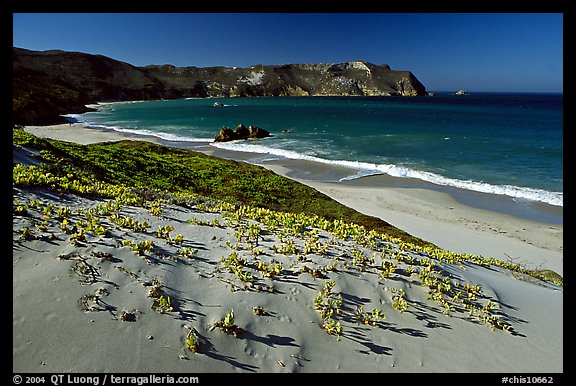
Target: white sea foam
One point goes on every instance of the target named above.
(364, 168)
(360, 174)
(99, 105)
(162, 135)
(158, 134)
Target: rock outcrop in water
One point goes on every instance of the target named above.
(241, 132)
(49, 83)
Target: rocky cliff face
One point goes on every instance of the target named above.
(350, 78)
(49, 83)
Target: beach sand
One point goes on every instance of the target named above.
(70, 300)
(437, 217)
(75, 132)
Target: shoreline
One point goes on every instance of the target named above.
(305, 170)
(465, 222)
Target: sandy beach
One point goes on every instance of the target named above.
(440, 219)
(87, 307)
(75, 132)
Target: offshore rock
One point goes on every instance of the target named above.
(241, 132)
(225, 134)
(257, 132)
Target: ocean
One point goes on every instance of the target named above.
(496, 143)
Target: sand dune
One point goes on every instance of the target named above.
(87, 307)
(99, 303)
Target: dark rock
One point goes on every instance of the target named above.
(257, 132)
(241, 132)
(226, 134)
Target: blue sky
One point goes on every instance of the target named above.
(520, 52)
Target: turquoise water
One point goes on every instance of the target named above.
(509, 144)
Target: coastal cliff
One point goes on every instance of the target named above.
(49, 83)
(342, 79)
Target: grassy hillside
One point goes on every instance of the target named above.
(149, 166)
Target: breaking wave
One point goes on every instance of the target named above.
(365, 168)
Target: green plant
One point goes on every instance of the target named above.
(192, 341)
(472, 291)
(259, 311)
(322, 306)
(42, 226)
(48, 209)
(331, 267)
(64, 226)
(163, 232)
(332, 327)
(377, 314)
(388, 268)
(163, 304)
(270, 270)
(369, 318)
(398, 300)
(496, 323)
(257, 252)
(63, 212)
(27, 234)
(19, 209)
(178, 239)
(327, 304)
(327, 288)
(100, 230)
(155, 207)
(253, 233)
(227, 324)
(129, 222)
(359, 259)
(313, 245)
(243, 275)
(77, 237)
(140, 248)
(286, 248)
(233, 261)
(228, 321)
(186, 252)
(156, 290)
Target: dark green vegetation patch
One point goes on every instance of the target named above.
(151, 166)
